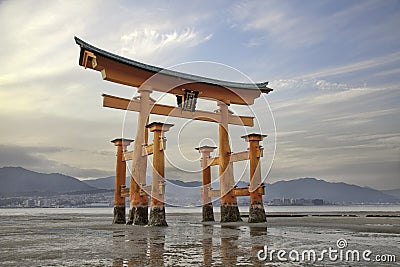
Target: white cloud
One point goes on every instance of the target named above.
(395, 71)
(353, 67)
(301, 95)
(328, 125)
(149, 44)
(365, 115)
(47, 99)
(282, 23)
(341, 96)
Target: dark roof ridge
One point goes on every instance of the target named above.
(195, 78)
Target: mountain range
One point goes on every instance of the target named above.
(20, 180)
(14, 180)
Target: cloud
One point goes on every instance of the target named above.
(281, 23)
(48, 100)
(34, 158)
(51, 141)
(36, 47)
(147, 43)
(328, 126)
(332, 41)
(365, 115)
(274, 19)
(337, 156)
(353, 67)
(395, 71)
(301, 95)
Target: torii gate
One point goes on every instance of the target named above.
(187, 89)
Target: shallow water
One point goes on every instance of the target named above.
(86, 237)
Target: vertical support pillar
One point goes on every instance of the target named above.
(157, 207)
(120, 180)
(257, 212)
(208, 213)
(138, 213)
(229, 208)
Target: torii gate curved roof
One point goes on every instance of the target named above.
(133, 73)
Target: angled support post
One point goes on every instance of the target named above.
(207, 212)
(257, 212)
(157, 206)
(120, 180)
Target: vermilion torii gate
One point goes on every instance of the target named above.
(187, 89)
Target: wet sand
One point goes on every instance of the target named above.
(81, 239)
(359, 222)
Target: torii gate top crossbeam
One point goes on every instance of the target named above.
(132, 73)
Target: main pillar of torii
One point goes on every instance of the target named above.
(229, 207)
(138, 213)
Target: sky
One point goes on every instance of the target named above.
(334, 67)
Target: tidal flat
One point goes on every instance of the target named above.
(86, 237)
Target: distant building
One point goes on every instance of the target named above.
(318, 202)
(299, 202)
(99, 205)
(286, 201)
(277, 202)
(29, 203)
(44, 203)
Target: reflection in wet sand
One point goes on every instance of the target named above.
(145, 248)
(90, 240)
(258, 238)
(229, 246)
(207, 245)
(156, 243)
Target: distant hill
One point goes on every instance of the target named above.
(102, 183)
(16, 179)
(309, 188)
(109, 182)
(394, 193)
(184, 193)
(185, 184)
(20, 180)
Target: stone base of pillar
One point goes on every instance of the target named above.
(157, 217)
(230, 213)
(141, 215)
(119, 215)
(208, 213)
(138, 216)
(257, 213)
(130, 217)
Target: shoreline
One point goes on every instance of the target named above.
(367, 222)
